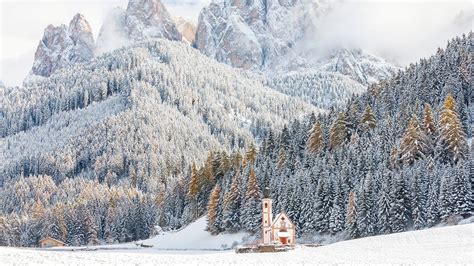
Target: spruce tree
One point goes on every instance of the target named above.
(337, 219)
(399, 211)
(339, 131)
(418, 203)
(461, 191)
(383, 206)
(232, 201)
(251, 219)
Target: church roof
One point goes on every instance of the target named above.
(282, 215)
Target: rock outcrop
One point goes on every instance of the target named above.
(141, 20)
(276, 35)
(64, 45)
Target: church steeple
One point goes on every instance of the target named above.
(267, 216)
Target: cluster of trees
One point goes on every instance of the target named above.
(393, 159)
(77, 212)
(320, 88)
(142, 112)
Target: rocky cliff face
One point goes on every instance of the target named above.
(141, 20)
(186, 28)
(267, 35)
(64, 45)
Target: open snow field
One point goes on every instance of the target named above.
(444, 245)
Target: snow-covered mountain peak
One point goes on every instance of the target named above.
(79, 26)
(141, 20)
(62, 45)
(268, 35)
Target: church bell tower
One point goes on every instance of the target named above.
(267, 216)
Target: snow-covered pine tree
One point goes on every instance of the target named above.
(90, 230)
(445, 197)
(400, 208)
(251, 211)
(461, 196)
(337, 219)
(232, 208)
(418, 202)
(383, 205)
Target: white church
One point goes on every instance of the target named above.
(278, 231)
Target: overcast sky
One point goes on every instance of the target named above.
(412, 28)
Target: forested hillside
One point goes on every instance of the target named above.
(104, 152)
(128, 124)
(393, 159)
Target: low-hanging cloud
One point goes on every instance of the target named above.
(401, 32)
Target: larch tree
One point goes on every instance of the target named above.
(413, 145)
(316, 139)
(251, 154)
(212, 210)
(452, 136)
(368, 118)
(193, 190)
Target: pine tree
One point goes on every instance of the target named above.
(461, 191)
(365, 208)
(316, 140)
(251, 219)
(337, 210)
(452, 135)
(413, 146)
(212, 210)
(90, 230)
(418, 203)
(232, 201)
(432, 215)
(445, 196)
(383, 206)
(339, 131)
(399, 211)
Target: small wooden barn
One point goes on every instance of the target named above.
(49, 242)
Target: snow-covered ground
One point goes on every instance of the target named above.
(444, 245)
(194, 237)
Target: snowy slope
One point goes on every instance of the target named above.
(445, 245)
(195, 237)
